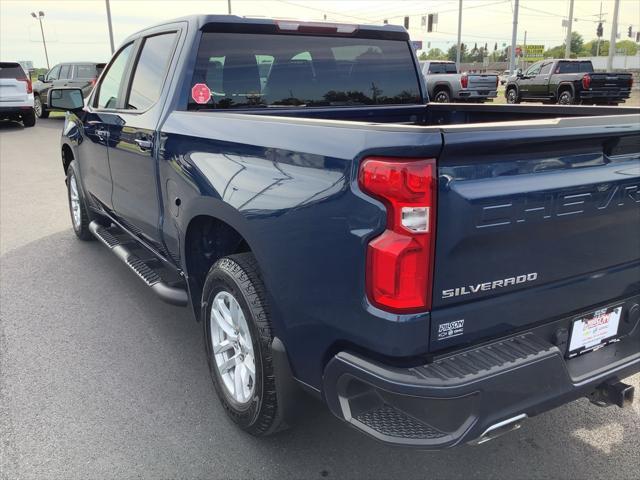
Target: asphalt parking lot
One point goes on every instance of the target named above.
(99, 379)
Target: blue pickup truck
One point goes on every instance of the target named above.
(435, 273)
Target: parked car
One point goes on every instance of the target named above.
(81, 75)
(16, 94)
(504, 76)
(337, 234)
(445, 84)
(568, 82)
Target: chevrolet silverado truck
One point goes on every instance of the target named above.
(568, 82)
(338, 235)
(445, 84)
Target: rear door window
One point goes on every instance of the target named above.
(150, 71)
(110, 83)
(85, 72)
(546, 68)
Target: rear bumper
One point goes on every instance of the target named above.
(6, 111)
(605, 95)
(457, 398)
(476, 94)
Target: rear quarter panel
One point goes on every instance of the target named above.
(289, 187)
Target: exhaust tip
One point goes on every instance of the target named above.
(498, 429)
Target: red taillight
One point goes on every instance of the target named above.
(93, 82)
(586, 82)
(28, 82)
(399, 269)
(497, 81)
(630, 82)
(464, 81)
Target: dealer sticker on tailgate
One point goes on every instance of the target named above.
(594, 330)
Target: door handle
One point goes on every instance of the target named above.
(144, 144)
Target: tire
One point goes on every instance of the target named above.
(255, 408)
(565, 98)
(29, 118)
(512, 96)
(38, 106)
(78, 209)
(442, 96)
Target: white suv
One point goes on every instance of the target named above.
(16, 94)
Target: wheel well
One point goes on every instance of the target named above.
(67, 157)
(440, 88)
(564, 88)
(207, 240)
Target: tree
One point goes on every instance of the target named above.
(577, 43)
(436, 54)
(453, 51)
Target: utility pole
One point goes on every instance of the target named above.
(599, 20)
(514, 37)
(229, 7)
(39, 17)
(614, 34)
(110, 26)
(567, 49)
(524, 50)
(460, 33)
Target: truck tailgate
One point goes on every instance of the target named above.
(610, 81)
(482, 82)
(536, 220)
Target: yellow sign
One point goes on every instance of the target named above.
(532, 53)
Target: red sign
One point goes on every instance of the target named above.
(201, 93)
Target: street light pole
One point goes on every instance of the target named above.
(110, 26)
(39, 17)
(459, 34)
(614, 35)
(229, 6)
(567, 49)
(514, 37)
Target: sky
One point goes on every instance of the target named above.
(77, 29)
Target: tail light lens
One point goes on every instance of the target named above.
(27, 80)
(399, 270)
(464, 81)
(497, 81)
(586, 82)
(93, 82)
(630, 82)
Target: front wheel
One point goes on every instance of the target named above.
(78, 209)
(38, 106)
(238, 337)
(512, 96)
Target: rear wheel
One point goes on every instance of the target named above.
(238, 339)
(442, 96)
(39, 107)
(512, 96)
(29, 118)
(565, 98)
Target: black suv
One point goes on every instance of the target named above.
(76, 74)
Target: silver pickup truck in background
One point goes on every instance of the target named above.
(445, 84)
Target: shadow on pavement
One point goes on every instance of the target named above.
(101, 379)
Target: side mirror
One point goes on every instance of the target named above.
(67, 99)
(41, 78)
(519, 74)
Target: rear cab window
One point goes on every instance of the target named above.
(574, 67)
(436, 68)
(253, 70)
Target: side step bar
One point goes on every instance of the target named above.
(169, 294)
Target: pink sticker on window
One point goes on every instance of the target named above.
(200, 93)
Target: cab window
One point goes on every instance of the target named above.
(533, 70)
(109, 87)
(546, 68)
(65, 72)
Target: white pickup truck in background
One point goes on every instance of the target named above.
(445, 84)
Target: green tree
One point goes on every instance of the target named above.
(452, 52)
(577, 43)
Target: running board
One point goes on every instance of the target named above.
(167, 293)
